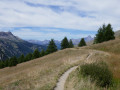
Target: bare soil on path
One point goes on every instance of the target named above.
(63, 78)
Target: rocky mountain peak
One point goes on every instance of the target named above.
(5, 34)
(8, 35)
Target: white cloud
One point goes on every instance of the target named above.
(16, 13)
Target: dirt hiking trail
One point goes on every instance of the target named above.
(63, 78)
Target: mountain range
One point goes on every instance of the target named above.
(46, 42)
(11, 45)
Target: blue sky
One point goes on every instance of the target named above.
(46, 33)
(46, 19)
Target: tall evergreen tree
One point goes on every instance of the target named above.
(42, 53)
(36, 54)
(28, 57)
(104, 34)
(82, 43)
(1, 64)
(71, 44)
(109, 34)
(6, 63)
(21, 59)
(13, 61)
(64, 43)
(51, 47)
(99, 36)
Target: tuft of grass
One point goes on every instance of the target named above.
(98, 72)
(113, 48)
(75, 81)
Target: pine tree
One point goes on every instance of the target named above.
(51, 47)
(82, 43)
(42, 53)
(36, 54)
(1, 64)
(6, 63)
(21, 59)
(28, 57)
(99, 36)
(64, 43)
(71, 44)
(13, 61)
(104, 34)
(109, 34)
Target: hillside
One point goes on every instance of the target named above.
(117, 34)
(11, 45)
(43, 73)
(113, 47)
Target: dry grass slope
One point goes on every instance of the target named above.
(113, 60)
(41, 73)
(76, 83)
(112, 47)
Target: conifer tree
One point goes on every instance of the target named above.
(51, 47)
(42, 53)
(28, 57)
(64, 43)
(21, 59)
(82, 43)
(13, 61)
(6, 63)
(109, 34)
(71, 44)
(1, 64)
(99, 36)
(36, 54)
(104, 34)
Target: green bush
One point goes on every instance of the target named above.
(98, 72)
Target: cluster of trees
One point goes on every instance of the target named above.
(66, 44)
(69, 44)
(13, 61)
(105, 33)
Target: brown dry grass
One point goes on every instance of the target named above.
(41, 73)
(113, 47)
(75, 82)
(112, 59)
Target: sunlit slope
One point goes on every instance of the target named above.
(117, 34)
(113, 47)
(41, 73)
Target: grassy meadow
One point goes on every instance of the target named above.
(41, 73)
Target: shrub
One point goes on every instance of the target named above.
(98, 72)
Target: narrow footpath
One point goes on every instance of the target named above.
(63, 78)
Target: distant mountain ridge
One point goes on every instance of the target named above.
(87, 39)
(46, 42)
(11, 45)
